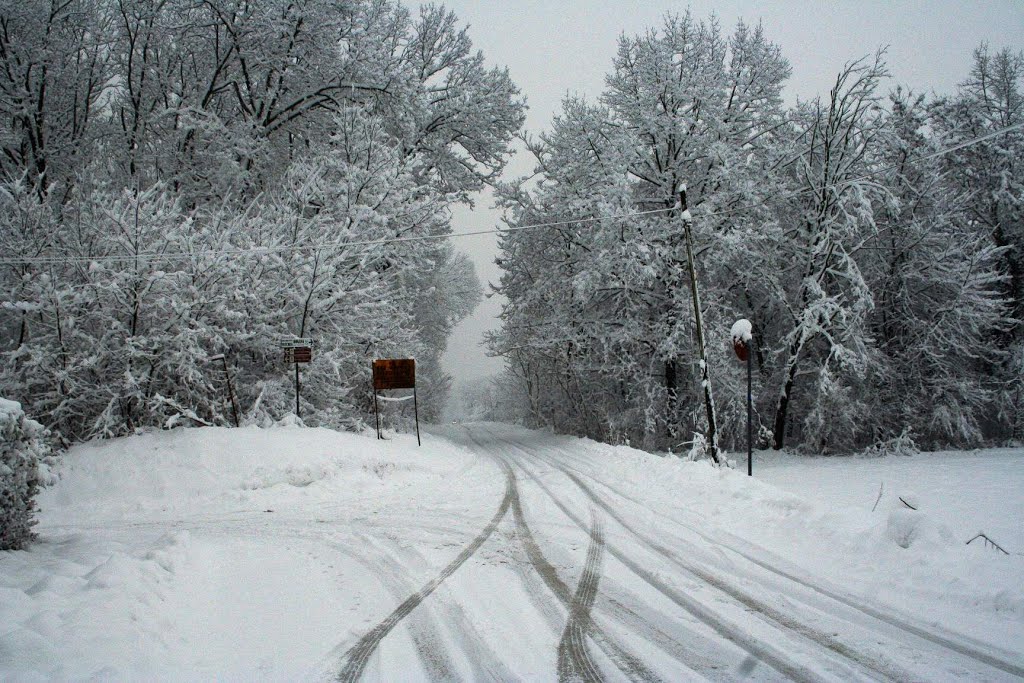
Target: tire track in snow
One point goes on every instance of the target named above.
(434, 659)
(628, 663)
(758, 606)
(432, 654)
(357, 657)
(443, 615)
(574, 663)
(949, 642)
(762, 651)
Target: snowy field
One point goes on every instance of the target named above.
(966, 491)
(498, 553)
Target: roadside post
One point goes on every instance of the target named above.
(742, 337)
(395, 373)
(297, 350)
(231, 391)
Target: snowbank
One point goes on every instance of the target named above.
(183, 472)
(189, 554)
(915, 560)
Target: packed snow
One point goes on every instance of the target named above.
(274, 554)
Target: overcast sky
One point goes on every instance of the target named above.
(559, 47)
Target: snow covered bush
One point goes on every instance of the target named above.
(21, 448)
(903, 444)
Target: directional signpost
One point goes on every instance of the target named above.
(395, 373)
(297, 350)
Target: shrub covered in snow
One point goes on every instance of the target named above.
(21, 448)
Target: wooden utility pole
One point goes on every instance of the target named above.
(698, 319)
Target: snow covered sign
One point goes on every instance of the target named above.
(394, 373)
(741, 337)
(295, 342)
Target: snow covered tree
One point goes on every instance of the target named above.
(54, 58)
(242, 172)
(826, 215)
(938, 296)
(992, 99)
(838, 228)
(990, 177)
(599, 323)
(21, 448)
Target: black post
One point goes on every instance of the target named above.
(231, 392)
(376, 411)
(416, 412)
(750, 400)
(298, 414)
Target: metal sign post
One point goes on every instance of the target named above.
(742, 338)
(395, 373)
(297, 350)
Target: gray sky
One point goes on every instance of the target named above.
(556, 48)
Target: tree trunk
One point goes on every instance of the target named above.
(781, 409)
(671, 389)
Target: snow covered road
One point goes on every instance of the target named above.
(493, 553)
(702, 606)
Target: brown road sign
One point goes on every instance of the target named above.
(300, 354)
(394, 373)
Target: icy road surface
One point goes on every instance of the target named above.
(515, 555)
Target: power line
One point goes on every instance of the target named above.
(170, 256)
(247, 251)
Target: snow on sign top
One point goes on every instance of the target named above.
(295, 342)
(741, 336)
(741, 330)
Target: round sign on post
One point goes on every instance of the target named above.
(742, 337)
(740, 347)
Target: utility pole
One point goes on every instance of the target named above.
(698, 318)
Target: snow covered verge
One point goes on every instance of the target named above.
(190, 554)
(822, 524)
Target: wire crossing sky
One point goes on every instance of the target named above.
(328, 246)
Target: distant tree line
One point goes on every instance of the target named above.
(181, 179)
(872, 240)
